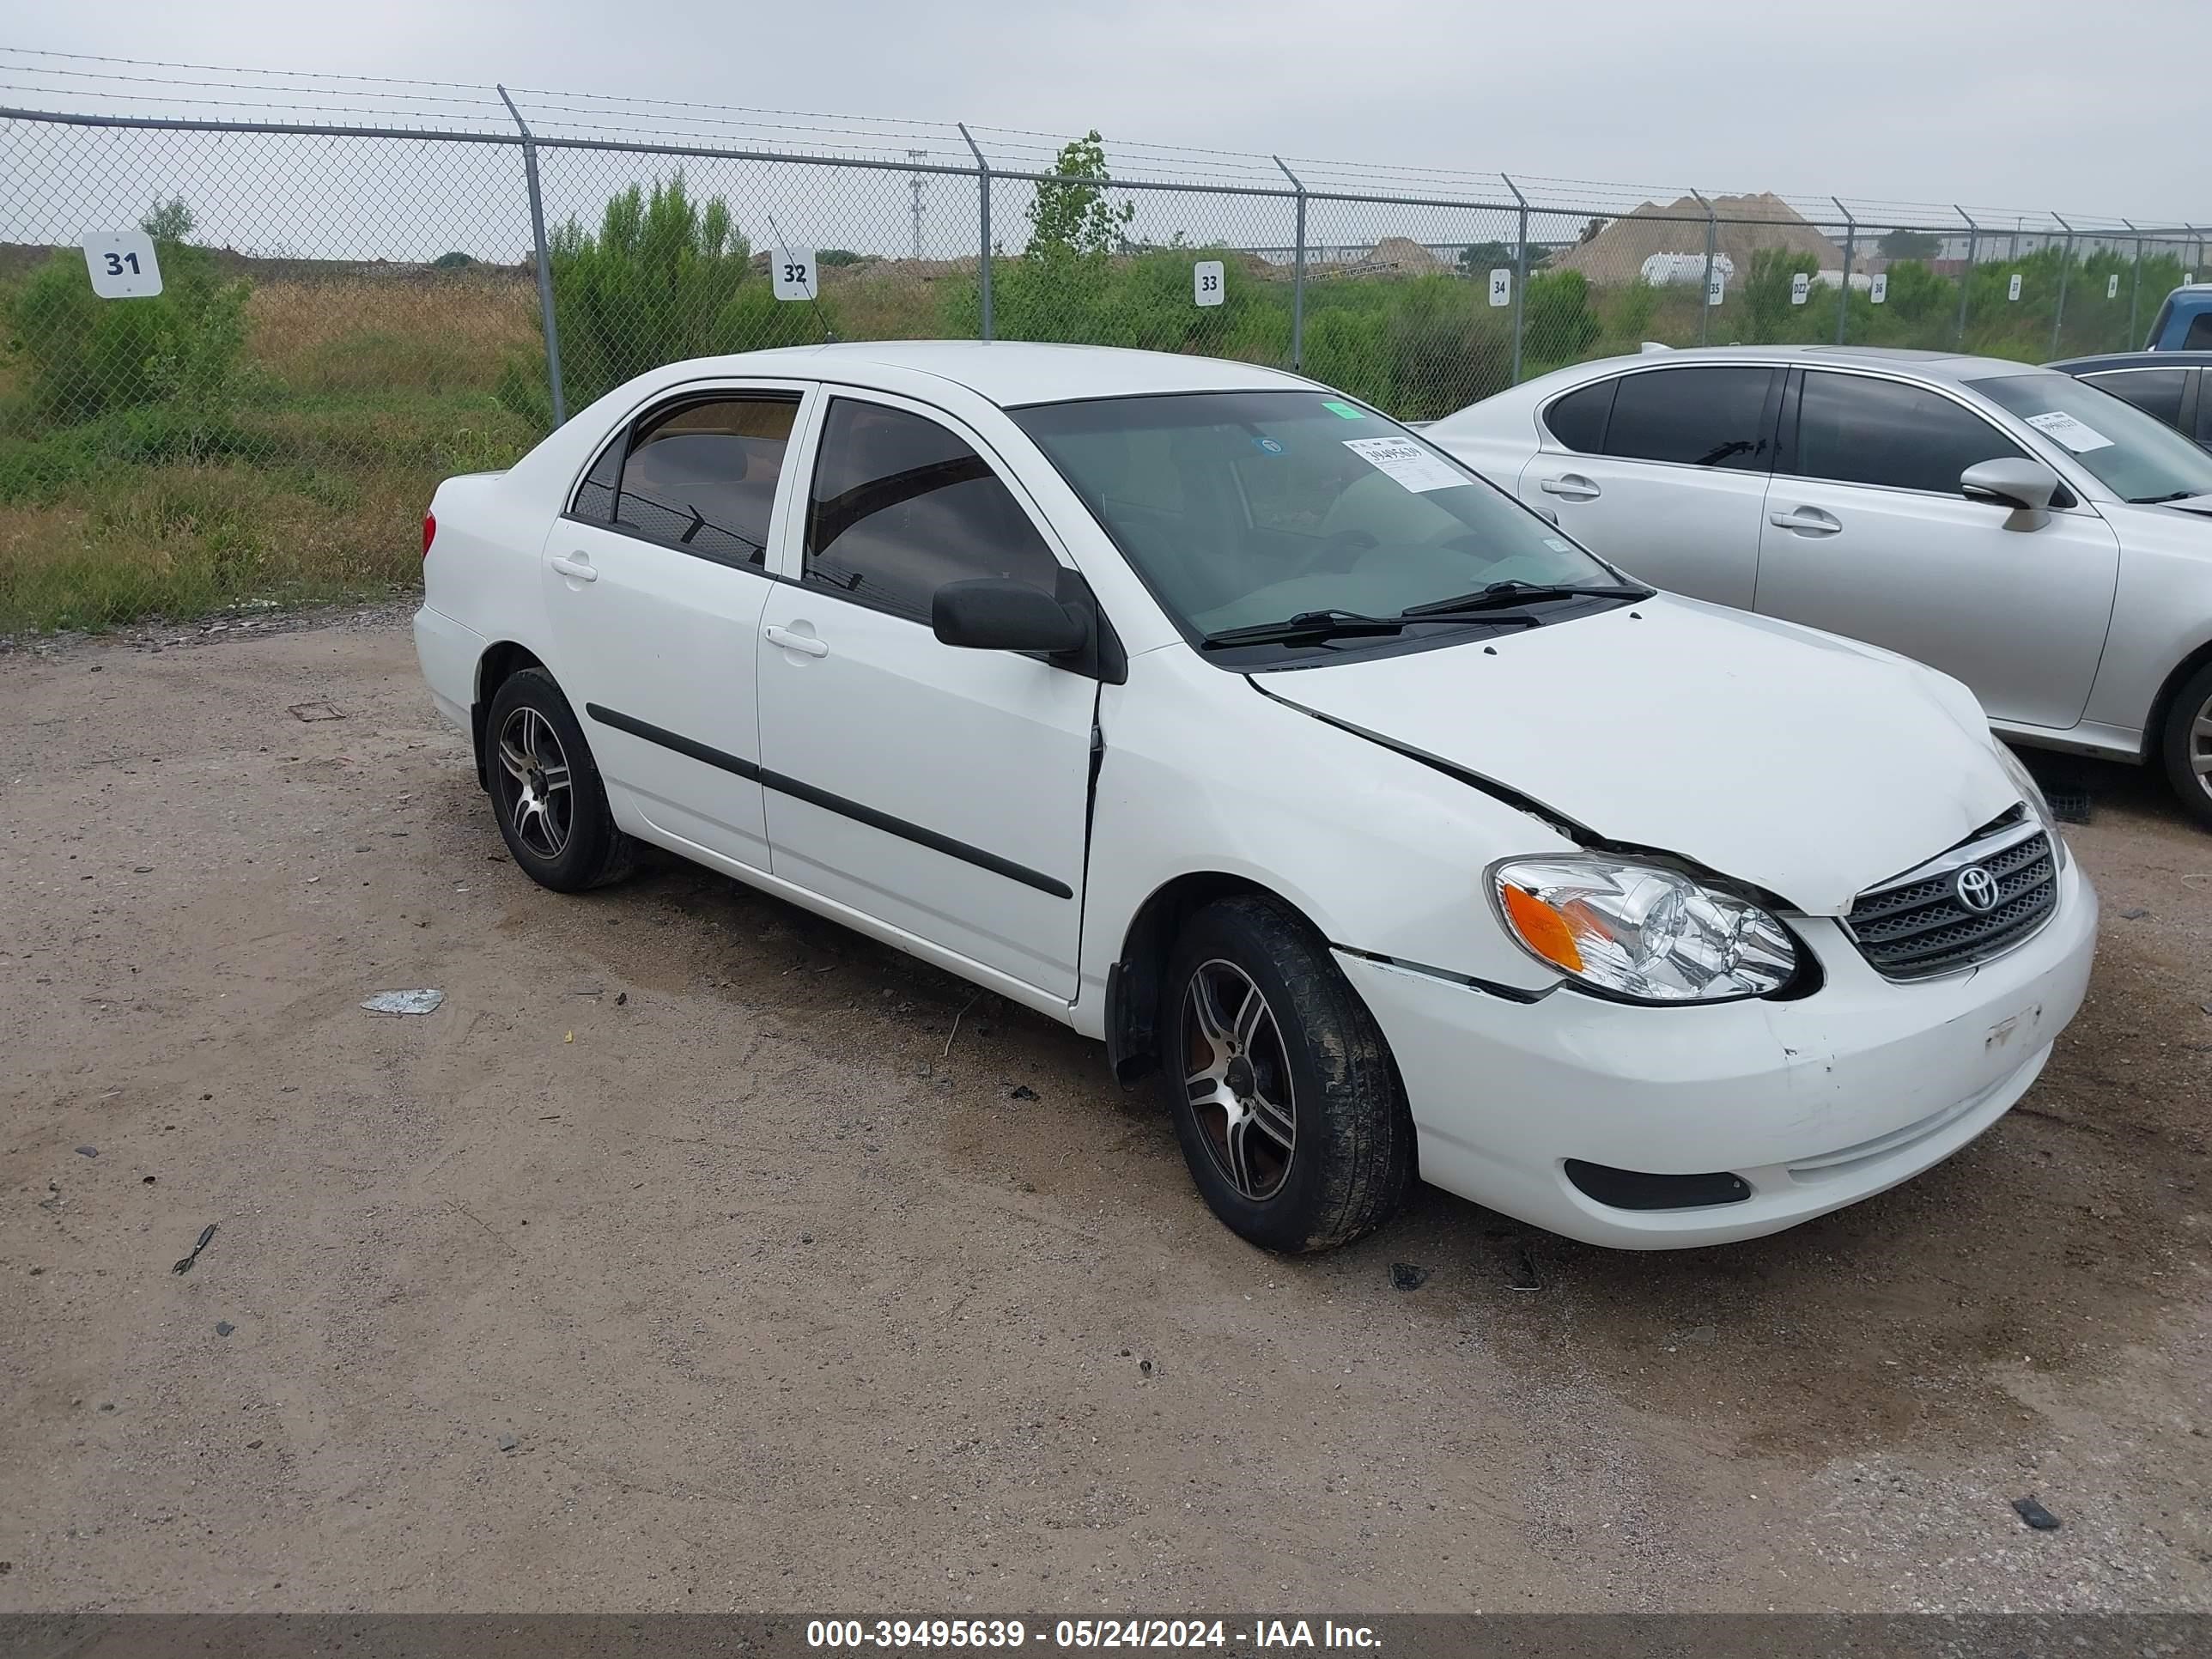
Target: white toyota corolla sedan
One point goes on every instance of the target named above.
(1217, 716)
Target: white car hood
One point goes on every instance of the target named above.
(1811, 766)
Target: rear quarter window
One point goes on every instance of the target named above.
(1578, 419)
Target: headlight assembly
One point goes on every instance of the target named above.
(1642, 932)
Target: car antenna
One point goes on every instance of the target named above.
(814, 289)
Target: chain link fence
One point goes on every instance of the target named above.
(350, 310)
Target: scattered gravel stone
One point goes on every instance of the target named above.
(1405, 1276)
(2133, 916)
(87, 1152)
(2035, 1515)
(1021, 1091)
(224, 1328)
(508, 1442)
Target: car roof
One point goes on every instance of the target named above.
(2133, 360)
(1014, 373)
(1949, 366)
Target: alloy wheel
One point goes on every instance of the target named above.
(1237, 1076)
(535, 792)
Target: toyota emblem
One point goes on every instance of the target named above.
(1976, 890)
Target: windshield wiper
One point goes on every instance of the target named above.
(2155, 500)
(1306, 625)
(1499, 595)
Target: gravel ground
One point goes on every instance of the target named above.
(688, 1258)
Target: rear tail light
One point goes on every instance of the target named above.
(430, 532)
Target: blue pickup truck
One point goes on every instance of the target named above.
(2184, 321)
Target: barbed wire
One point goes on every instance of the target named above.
(575, 116)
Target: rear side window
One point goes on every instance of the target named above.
(1856, 430)
(900, 506)
(1712, 417)
(702, 477)
(1577, 420)
(2199, 338)
(2156, 392)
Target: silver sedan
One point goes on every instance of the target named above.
(2044, 542)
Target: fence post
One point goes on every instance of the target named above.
(983, 190)
(1297, 272)
(2065, 270)
(1850, 244)
(2135, 289)
(544, 265)
(1967, 277)
(1705, 299)
(1520, 277)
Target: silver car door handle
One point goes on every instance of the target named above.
(806, 644)
(578, 569)
(1572, 487)
(1806, 521)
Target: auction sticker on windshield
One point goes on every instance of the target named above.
(2077, 435)
(1405, 461)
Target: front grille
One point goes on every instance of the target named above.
(1917, 925)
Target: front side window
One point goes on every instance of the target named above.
(702, 477)
(2132, 455)
(1712, 417)
(900, 506)
(1244, 508)
(1854, 429)
(2156, 392)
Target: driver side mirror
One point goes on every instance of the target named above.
(2025, 486)
(991, 613)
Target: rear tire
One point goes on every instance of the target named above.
(1284, 1096)
(2187, 745)
(545, 789)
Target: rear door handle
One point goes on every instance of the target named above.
(1806, 521)
(1571, 486)
(806, 644)
(577, 569)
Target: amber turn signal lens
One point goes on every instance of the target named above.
(1543, 929)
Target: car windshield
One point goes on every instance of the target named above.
(2135, 456)
(1244, 508)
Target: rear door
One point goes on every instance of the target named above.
(1869, 535)
(1663, 471)
(942, 790)
(2164, 394)
(655, 580)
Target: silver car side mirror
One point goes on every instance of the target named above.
(2023, 485)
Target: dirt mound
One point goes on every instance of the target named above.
(1747, 224)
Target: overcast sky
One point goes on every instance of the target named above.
(2007, 103)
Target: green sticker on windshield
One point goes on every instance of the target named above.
(1342, 410)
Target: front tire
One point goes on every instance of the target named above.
(2187, 745)
(546, 788)
(1285, 1099)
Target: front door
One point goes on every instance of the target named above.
(941, 790)
(1867, 535)
(655, 580)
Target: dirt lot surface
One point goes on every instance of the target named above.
(688, 1258)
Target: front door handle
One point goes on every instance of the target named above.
(1806, 521)
(806, 644)
(1571, 486)
(576, 569)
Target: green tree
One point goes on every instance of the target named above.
(1073, 215)
(1910, 244)
(1480, 259)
